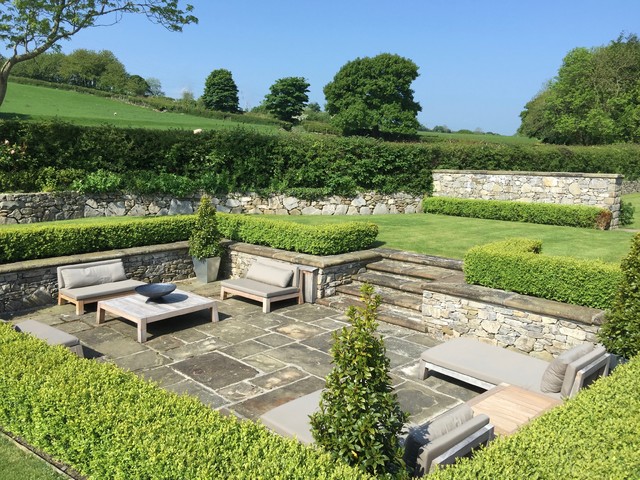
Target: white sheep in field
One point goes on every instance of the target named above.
(197, 130)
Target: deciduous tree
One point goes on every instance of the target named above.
(373, 97)
(29, 28)
(220, 92)
(287, 98)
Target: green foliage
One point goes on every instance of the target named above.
(205, 236)
(359, 419)
(589, 437)
(544, 213)
(373, 97)
(287, 98)
(315, 240)
(43, 241)
(100, 181)
(621, 331)
(593, 100)
(108, 423)
(220, 92)
(516, 265)
(627, 211)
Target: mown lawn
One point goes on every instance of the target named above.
(634, 199)
(20, 465)
(40, 103)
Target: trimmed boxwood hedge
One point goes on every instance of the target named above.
(593, 436)
(516, 265)
(108, 423)
(51, 240)
(544, 213)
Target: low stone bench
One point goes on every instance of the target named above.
(51, 335)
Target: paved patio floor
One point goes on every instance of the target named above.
(250, 362)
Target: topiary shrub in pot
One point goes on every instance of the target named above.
(620, 333)
(204, 243)
(359, 418)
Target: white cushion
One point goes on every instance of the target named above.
(94, 275)
(269, 274)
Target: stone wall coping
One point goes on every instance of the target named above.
(305, 258)
(541, 306)
(535, 174)
(90, 257)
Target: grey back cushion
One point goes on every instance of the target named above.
(554, 375)
(579, 364)
(269, 274)
(93, 275)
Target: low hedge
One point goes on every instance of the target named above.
(595, 435)
(316, 240)
(108, 423)
(544, 213)
(51, 240)
(516, 265)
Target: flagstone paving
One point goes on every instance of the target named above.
(249, 361)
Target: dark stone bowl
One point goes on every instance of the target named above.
(155, 290)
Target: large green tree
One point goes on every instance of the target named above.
(287, 98)
(29, 28)
(372, 96)
(220, 92)
(594, 99)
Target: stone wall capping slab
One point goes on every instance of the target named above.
(535, 174)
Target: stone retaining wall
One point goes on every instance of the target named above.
(632, 186)
(596, 189)
(534, 326)
(39, 207)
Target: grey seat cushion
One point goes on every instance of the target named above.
(92, 291)
(49, 334)
(254, 287)
(489, 363)
(291, 419)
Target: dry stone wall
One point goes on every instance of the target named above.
(40, 207)
(602, 190)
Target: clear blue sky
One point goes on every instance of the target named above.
(479, 61)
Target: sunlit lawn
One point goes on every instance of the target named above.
(634, 199)
(17, 464)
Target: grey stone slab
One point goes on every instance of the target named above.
(320, 342)
(267, 321)
(120, 347)
(452, 387)
(190, 335)
(398, 360)
(245, 349)
(403, 347)
(73, 326)
(423, 339)
(308, 312)
(264, 362)
(329, 323)
(299, 330)
(237, 307)
(274, 340)
(422, 403)
(140, 361)
(279, 378)
(215, 370)
(310, 360)
(163, 376)
(95, 337)
(234, 331)
(256, 406)
(192, 389)
(240, 391)
(194, 349)
(163, 343)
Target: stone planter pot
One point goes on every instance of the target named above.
(206, 270)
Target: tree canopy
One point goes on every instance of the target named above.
(372, 96)
(220, 92)
(29, 28)
(287, 98)
(594, 99)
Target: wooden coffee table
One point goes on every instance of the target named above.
(142, 311)
(509, 407)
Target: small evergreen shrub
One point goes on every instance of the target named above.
(108, 423)
(517, 265)
(360, 418)
(205, 236)
(543, 213)
(627, 211)
(621, 331)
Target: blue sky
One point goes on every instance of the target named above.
(479, 62)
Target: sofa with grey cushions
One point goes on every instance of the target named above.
(486, 366)
(93, 281)
(266, 281)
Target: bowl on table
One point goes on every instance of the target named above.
(155, 291)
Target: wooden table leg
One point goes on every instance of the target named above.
(100, 313)
(142, 331)
(214, 313)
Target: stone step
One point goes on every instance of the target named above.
(389, 296)
(416, 270)
(420, 259)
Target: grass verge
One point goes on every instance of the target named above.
(20, 465)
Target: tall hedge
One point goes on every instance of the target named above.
(243, 159)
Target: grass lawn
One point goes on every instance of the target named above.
(634, 199)
(20, 465)
(39, 103)
(475, 137)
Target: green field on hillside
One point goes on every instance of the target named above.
(38, 103)
(477, 137)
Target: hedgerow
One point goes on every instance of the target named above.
(108, 423)
(50, 240)
(517, 265)
(593, 436)
(246, 160)
(544, 213)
